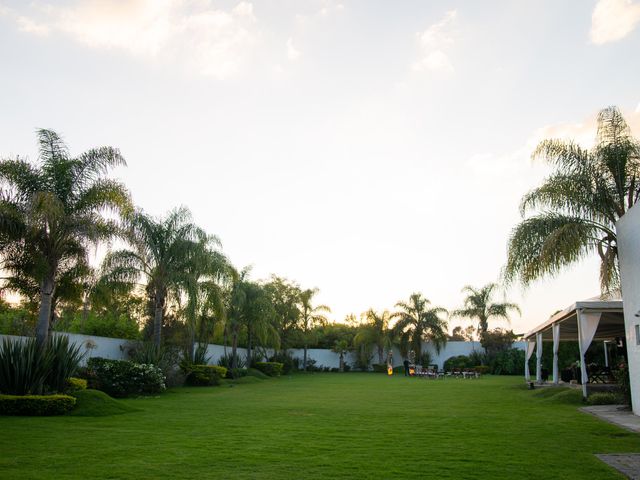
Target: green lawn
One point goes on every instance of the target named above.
(322, 426)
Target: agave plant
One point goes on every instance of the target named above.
(23, 367)
(65, 361)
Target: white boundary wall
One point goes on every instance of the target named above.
(117, 349)
(628, 230)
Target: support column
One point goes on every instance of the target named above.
(539, 358)
(555, 328)
(606, 353)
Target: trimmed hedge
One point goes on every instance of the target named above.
(74, 384)
(204, 375)
(36, 405)
(121, 378)
(273, 369)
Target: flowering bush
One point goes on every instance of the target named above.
(121, 378)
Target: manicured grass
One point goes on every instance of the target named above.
(94, 403)
(323, 426)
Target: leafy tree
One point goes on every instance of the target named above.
(310, 317)
(160, 255)
(341, 347)
(418, 321)
(52, 211)
(578, 205)
(375, 332)
(460, 334)
(285, 298)
(478, 305)
(259, 319)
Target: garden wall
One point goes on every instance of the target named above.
(116, 348)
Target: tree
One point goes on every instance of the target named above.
(285, 298)
(375, 332)
(416, 322)
(460, 334)
(478, 306)
(578, 205)
(259, 319)
(310, 317)
(51, 212)
(341, 347)
(160, 255)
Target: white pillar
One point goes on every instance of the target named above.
(606, 353)
(555, 328)
(539, 357)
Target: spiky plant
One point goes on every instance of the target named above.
(573, 214)
(418, 321)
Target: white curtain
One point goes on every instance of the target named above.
(530, 347)
(588, 326)
(555, 328)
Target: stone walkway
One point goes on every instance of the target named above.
(626, 463)
(616, 414)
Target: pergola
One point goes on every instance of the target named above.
(599, 318)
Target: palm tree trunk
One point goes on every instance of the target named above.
(234, 347)
(46, 300)
(192, 345)
(304, 359)
(157, 320)
(249, 352)
(341, 362)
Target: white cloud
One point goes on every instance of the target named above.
(292, 53)
(433, 43)
(210, 40)
(612, 20)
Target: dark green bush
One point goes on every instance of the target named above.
(508, 362)
(379, 367)
(23, 367)
(76, 384)
(289, 363)
(236, 372)
(204, 375)
(121, 378)
(605, 398)
(460, 362)
(481, 369)
(148, 353)
(273, 369)
(36, 405)
(225, 361)
(65, 361)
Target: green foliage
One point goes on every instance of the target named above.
(17, 320)
(273, 369)
(254, 372)
(623, 380)
(23, 367)
(605, 398)
(289, 363)
(162, 356)
(379, 367)
(76, 384)
(101, 325)
(575, 210)
(508, 362)
(417, 322)
(479, 306)
(94, 403)
(457, 362)
(200, 356)
(204, 375)
(496, 341)
(36, 405)
(65, 361)
(481, 369)
(121, 378)
(225, 361)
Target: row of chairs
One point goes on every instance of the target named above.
(434, 373)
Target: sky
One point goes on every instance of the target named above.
(370, 149)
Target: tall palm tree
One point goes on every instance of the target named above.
(259, 319)
(576, 209)
(310, 317)
(160, 255)
(375, 331)
(52, 211)
(478, 306)
(418, 321)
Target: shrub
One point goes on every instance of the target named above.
(273, 369)
(36, 405)
(622, 377)
(205, 375)
(425, 359)
(379, 367)
(225, 361)
(459, 362)
(236, 372)
(481, 369)
(200, 356)
(75, 384)
(121, 378)
(604, 398)
(508, 362)
(23, 367)
(148, 353)
(65, 361)
(289, 364)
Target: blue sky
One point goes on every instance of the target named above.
(370, 149)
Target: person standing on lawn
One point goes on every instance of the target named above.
(406, 367)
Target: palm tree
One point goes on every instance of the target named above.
(310, 317)
(478, 306)
(160, 255)
(51, 212)
(578, 205)
(259, 319)
(375, 331)
(418, 322)
(341, 347)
